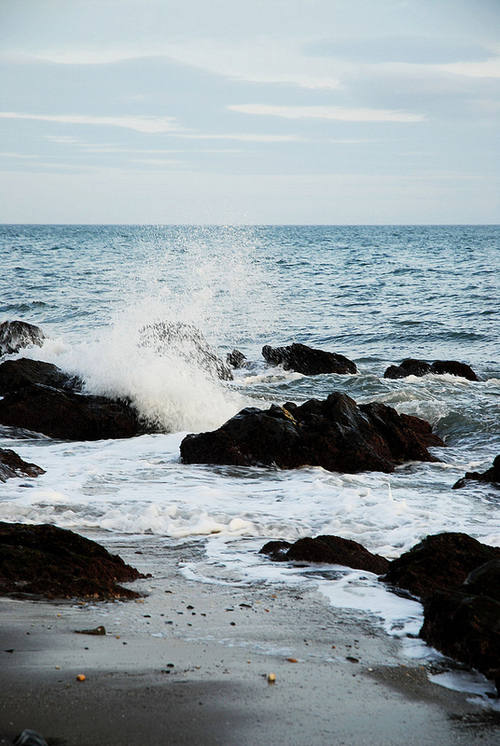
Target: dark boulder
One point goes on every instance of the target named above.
(485, 580)
(308, 361)
(188, 343)
(52, 562)
(327, 549)
(335, 434)
(439, 562)
(15, 374)
(67, 415)
(15, 335)
(12, 465)
(490, 476)
(236, 359)
(419, 368)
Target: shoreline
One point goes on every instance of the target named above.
(188, 664)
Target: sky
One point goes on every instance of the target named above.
(250, 112)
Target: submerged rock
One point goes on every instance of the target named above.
(336, 434)
(15, 335)
(307, 360)
(12, 465)
(327, 549)
(52, 562)
(186, 341)
(490, 476)
(413, 367)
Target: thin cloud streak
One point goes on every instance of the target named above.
(338, 113)
(149, 125)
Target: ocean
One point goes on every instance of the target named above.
(374, 294)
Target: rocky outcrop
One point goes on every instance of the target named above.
(66, 415)
(186, 341)
(490, 476)
(336, 434)
(326, 549)
(15, 374)
(50, 562)
(16, 335)
(236, 359)
(307, 360)
(413, 367)
(12, 465)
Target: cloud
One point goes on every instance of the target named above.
(338, 113)
(487, 69)
(248, 137)
(150, 125)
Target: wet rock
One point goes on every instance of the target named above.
(236, 359)
(413, 367)
(29, 738)
(15, 335)
(485, 580)
(442, 561)
(50, 562)
(186, 341)
(490, 476)
(15, 374)
(327, 549)
(335, 434)
(12, 465)
(67, 415)
(307, 360)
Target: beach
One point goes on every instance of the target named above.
(189, 662)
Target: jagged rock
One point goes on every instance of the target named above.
(187, 342)
(413, 367)
(308, 361)
(44, 560)
(442, 561)
(67, 415)
(15, 335)
(236, 359)
(12, 465)
(336, 434)
(327, 549)
(491, 476)
(15, 374)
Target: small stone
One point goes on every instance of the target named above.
(81, 677)
(271, 678)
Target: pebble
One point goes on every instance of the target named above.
(81, 677)
(271, 678)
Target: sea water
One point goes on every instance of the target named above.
(373, 294)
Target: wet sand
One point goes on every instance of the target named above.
(189, 664)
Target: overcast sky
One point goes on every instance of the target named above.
(250, 111)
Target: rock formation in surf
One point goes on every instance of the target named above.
(50, 562)
(307, 360)
(16, 335)
(326, 549)
(419, 368)
(490, 476)
(12, 465)
(335, 433)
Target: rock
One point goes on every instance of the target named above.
(67, 415)
(12, 465)
(186, 341)
(439, 562)
(335, 434)
(412, 367)
(327, 549)
(15, 374)
(491, 476)
(29, 738)
(14, 335)
(52, 562)
(236, 359)
(485, 580)
(466, 628)
(308, 361)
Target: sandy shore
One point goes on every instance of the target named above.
(189, 665)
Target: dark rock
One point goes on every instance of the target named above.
(52, 562)
(29, 738)
(66, 415)
(236, 359)
(485, 580)
(332, 550)
(15, 335)
(12, 465)
(419, 368)
(15, 374)
(308, 361)
(491, 476)
(336, 434)
(464, 627)
(452, 367)
(186, 341)
(439, 562)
